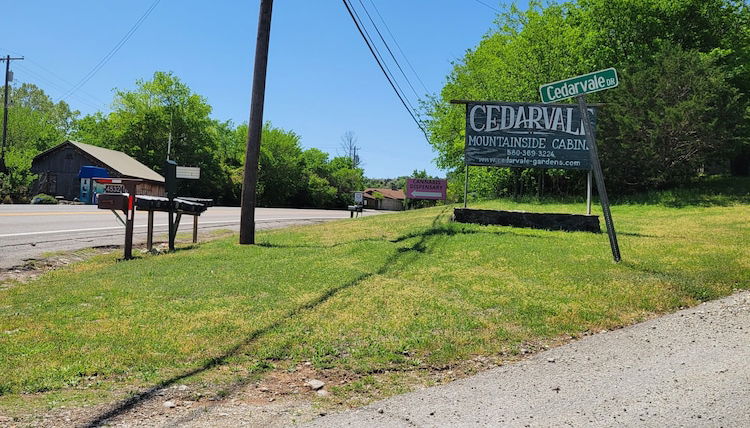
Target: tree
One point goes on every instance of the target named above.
(142, 121)
(35, 124)
(349, 147)
(669, 70)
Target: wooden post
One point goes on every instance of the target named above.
(150, 231)
(195, 229)
(255, 126)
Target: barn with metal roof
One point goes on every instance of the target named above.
(59, 168)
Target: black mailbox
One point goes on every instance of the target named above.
(113, 201)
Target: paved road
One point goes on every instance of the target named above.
(28, 231)
(691, 368)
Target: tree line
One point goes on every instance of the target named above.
(680, 110)
(140, 125)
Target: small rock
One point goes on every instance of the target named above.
(550, 360)
(307, 363)
(315, 384)
(380, 410)
(322, 393)
(263, 389)
(270, 400)
(170, 404)
(182, 388)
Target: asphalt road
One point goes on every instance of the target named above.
(29, 231)
(687, 369)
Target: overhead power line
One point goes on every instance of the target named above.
(488, 6)
(112, 52)
(373, 50)
(399, 46)
(390, 52)
(381, 59)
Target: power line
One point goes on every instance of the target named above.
(388, 49)
(382, 68)
(65, 81)
(399, 47)
(382, 60)
(112, 52)
(39, 77)
(488, 6)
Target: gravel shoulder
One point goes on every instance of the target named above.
(689, 368)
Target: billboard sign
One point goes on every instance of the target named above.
(526, 135)
(426, 188)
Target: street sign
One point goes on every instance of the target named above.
(358, 198)
(189, 172)
(426, 188)
(579, 85)
(524, 135)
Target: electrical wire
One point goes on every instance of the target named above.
(382, 39)
(382, 59)
(92, 102)
(488, 6)
(112, 52)
(399, 47)
(382, 68)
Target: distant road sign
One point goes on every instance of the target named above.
(189, 172)
(579, 85)
(358, 198)
(426, 188)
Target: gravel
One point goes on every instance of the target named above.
(685, 369)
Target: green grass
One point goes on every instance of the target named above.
(387, 293)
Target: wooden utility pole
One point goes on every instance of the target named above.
(7, 60)
(255, 127)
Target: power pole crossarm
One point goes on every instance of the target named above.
(7, 59)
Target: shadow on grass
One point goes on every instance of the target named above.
(132, 402)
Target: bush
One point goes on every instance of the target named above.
(44, 199)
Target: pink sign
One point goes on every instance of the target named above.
(426, 188)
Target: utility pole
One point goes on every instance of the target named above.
(255, 128)
(7, 60)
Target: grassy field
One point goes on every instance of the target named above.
(392, 293)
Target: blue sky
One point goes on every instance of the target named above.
(322, 80)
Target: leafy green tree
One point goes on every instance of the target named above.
(141, 123)
(664, 118)
(35, 124)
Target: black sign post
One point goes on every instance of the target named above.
(599, 177)
(170, 176)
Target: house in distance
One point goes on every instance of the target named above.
(383, 199)
(59, 169)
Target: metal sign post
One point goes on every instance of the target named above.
(599, 176)
(170, 176)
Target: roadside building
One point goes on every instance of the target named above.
(59, 169)
(383, 199)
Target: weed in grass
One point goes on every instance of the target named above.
(373, 296)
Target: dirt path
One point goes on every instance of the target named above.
(691, 368)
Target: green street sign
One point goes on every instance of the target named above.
(585, 84)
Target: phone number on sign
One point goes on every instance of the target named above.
(531, 153)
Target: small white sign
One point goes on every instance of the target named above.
(114, 188)
(189, 172)
(358, 197)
